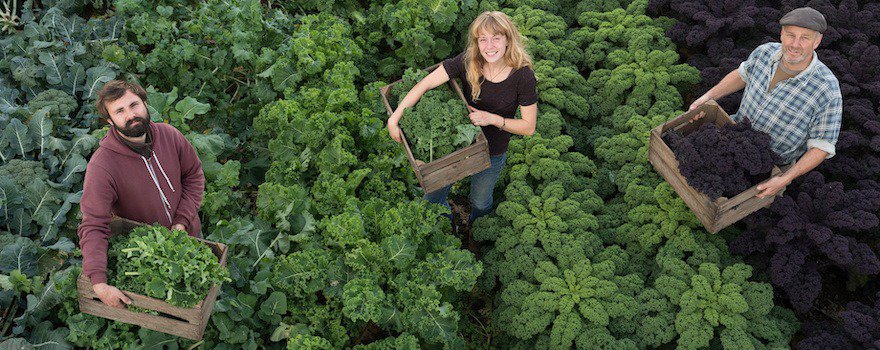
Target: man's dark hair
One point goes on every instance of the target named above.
(113, 90)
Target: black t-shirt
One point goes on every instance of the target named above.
(499, 98)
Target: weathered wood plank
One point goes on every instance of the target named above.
(141, 301)
(703, 212)
(456, 171)
(154, 322)
(458, 155)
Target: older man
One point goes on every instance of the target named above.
(790, 95)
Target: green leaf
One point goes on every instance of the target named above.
(96, 77)
(362, 300)
(273, 308)
(465, 134)
(153, 340)
(159, 103)
(399, 250)
(189, 107)
(711, 315)
(286, 331)
(40, 127)
(54, 67)
(16, 137)
(18, 253)
(43, 199)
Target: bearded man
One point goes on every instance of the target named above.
(142, 171)
(790, 95)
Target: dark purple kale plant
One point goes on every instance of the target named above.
(815, 224)
(856, 327)
(723, 161)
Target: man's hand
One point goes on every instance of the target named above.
(703, 99)
(179, 227)
(697, 117)
(772, 186)
(483, 118)
(110, 295)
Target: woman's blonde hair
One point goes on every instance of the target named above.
(494, 23)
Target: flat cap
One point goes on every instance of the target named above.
(806, 17)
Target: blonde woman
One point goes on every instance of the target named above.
(497, 79)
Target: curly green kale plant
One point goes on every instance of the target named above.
(164, 264)
(437, 125)
(724, 304)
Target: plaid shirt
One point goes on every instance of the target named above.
(800, 113)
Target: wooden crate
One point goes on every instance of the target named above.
(183, 322)
(455, 166)
(714, 214)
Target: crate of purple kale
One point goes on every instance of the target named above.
(726, 192)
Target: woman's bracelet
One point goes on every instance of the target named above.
(503, 121)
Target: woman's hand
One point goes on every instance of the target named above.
(394, 130)
(483, 118)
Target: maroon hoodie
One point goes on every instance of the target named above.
(165, 188)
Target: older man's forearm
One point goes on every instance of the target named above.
(731, 83)
(807, 162)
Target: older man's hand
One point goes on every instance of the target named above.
(178, 227)
(772, 186)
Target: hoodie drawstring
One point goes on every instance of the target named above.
(162, 170)
(165, 204)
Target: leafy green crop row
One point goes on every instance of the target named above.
(329, 243)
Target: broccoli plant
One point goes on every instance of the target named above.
(60, 104)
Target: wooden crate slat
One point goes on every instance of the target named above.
(189, 314)
(153, 322)
(209, 307)
(729, 217)
(454, 157)
(745, 195)
(455, 171)
(410, 157)
(700, 200)
(669, 173)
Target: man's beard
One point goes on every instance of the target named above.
(136, 127)
(800, 58)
